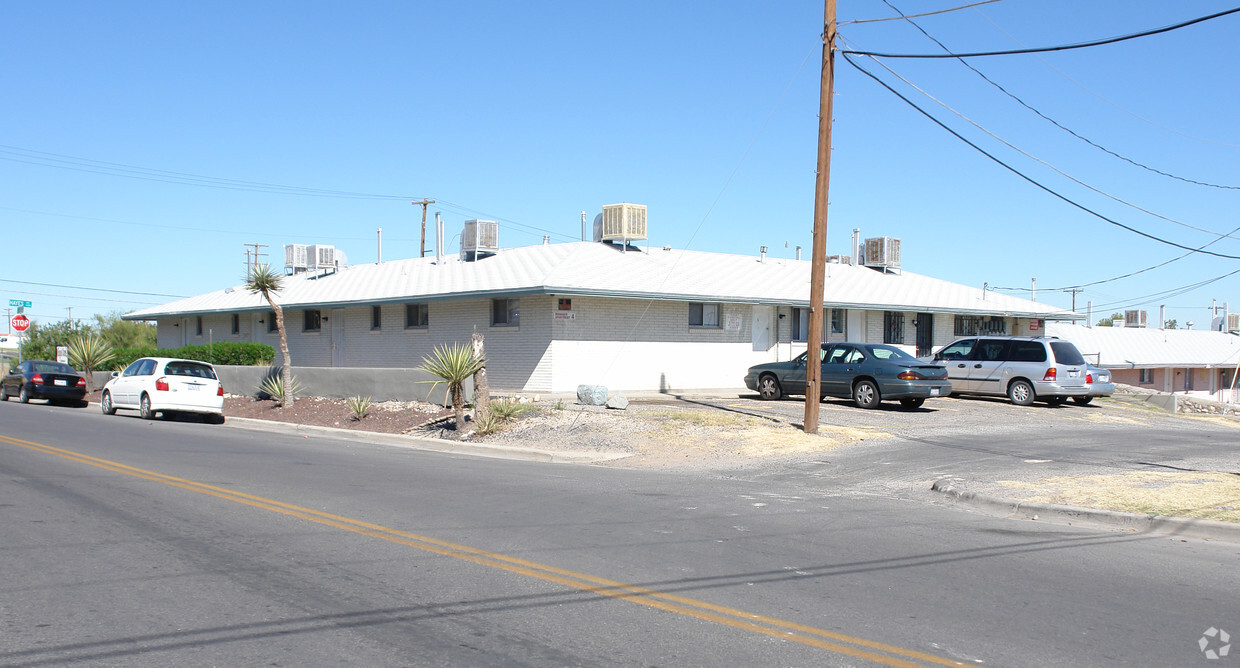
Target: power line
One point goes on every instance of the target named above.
(1051, 120)
(916, 16)
(1064, 47)
(1027, 178)
(78, 287)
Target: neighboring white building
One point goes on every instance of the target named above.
(1196, 362)
(559, 315)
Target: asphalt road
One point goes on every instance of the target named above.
(152, 543)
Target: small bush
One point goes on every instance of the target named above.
(507, 409)
(486, 424)
(225, 352)
(274, 387)
(360, 406)
(559, 405)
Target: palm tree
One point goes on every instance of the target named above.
(454, 364)
(262, 280)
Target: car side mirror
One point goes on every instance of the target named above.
(115, 374)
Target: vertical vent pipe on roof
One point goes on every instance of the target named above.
(438, 238)
(856, 246)
(798, 253)
(380, 260)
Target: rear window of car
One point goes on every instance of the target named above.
(1027, 351)
(53, 367)
(890, 353)
(189, 369)
(1066, 353)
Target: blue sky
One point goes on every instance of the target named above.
(529, 113)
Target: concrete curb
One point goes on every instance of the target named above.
(432, 444)
(1091, 517)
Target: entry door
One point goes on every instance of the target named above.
(337, 337)
(761, 327)
(925, 334)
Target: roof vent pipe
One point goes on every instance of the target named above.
(856, 247)
(798, 253)
(380, 260)
(546, 240)
(583, 225)
(438, 238)
(762, 250)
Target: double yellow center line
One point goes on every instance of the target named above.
(777, 628)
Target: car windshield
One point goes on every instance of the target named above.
(193, 369)
(52, 367)
(891, 353)
(1066, 353)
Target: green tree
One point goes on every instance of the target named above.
(89, 351)
(263, 281)
(1110, 322)
(454, 364)
(40, 341)
(119, 333)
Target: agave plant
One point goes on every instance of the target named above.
(360, 406)
(454, 364)
(89, 352)
(280, 390)
(507, 409)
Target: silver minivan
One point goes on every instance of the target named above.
(1022, 368)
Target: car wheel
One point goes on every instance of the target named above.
(915, 402)
(865, 394)
(215, 419)
(1021, 393)
(4, 393)
(768, 388)
(1082, 400)
(105, 404)
(23, 396)
(144, 408)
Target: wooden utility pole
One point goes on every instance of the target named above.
(818, 272)
(425, 202)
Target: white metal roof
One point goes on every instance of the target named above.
(597, 269)
(1136, 347)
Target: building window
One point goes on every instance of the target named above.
(236, 324)
(800, 324)
(271, 322)
(416, 316)
(505, 312)
(564, 304)
(837, 320)
(376, 318)
(198, 326)
(313, 320)
(703, 315)
(1147, 377)
(893, 327)
(976, 325)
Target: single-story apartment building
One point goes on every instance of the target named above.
(555, 316)
(1196, 362)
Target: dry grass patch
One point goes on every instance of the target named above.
(1203, 495)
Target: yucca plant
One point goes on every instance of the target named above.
(261, 280)
(281, 390)
(454, 364)
(360, 406)
(89, 352)
(507, 409)
(486, 423)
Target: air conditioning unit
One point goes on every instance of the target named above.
(839, 259)
(322, 257)
(1233, 322)
(1134, 318)
(882, 252)
(295, 258)
(624, 222)
(479, 238)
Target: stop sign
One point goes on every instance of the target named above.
(20, 322)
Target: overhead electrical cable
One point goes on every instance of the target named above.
(1056, 123)
(916, 16)
(1047, 164)
(1045, 49)
(1027, 178)
(1094, 93)
(1166, 294)
(79, 287)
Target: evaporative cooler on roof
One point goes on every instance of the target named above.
(624, 222)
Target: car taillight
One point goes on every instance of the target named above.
(1051, 374)
(81, 382)
(220, 392)
(37, 378)
(1089, 378)
(910, 375)
(161, 384)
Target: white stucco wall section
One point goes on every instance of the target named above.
(664, 366)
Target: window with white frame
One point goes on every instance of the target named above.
(703, 315)
(505, 312)
(198, 329)
(416, 316)
(893, 327)
(271, 322)
(837, 320)
(236, 324)
(976, 325)
(1147, 377)
(312, 320)
(376, 318)
(800, 324)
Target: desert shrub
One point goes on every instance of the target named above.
(275, 387)
(360, 406)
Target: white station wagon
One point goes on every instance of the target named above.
(168, 386)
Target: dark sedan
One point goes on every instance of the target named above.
(867, 373)
(39, 379)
